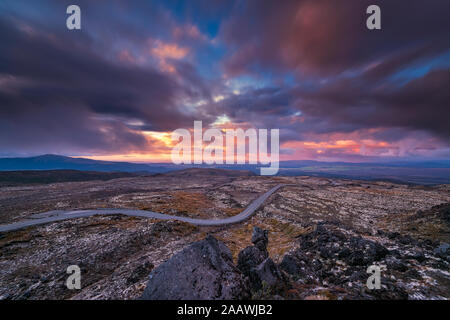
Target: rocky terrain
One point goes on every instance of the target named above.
(322, 234)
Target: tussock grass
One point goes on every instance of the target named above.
(282, 236)
(183, 203)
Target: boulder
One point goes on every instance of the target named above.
(291, 264)
(250, 258)
(260, 238)
(203, 270)
(266, 273)
(254, 262)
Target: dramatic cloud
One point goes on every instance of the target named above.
(138, 70)
(327, 36)
(421, 104)
(57, 92)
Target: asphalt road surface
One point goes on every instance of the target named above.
(59, 215)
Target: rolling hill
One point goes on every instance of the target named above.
(56, 162)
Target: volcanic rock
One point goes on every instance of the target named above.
(254, 262)
(203, 270)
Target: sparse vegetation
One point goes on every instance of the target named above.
(118, 245)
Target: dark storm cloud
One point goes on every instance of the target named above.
(421, 104)
(347, 105)
(328, 36)
(315, 71)
(57, 90)
(344, 72)
(255, 105)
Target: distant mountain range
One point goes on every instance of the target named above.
(56, 162)
(422, 172)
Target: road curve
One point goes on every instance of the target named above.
(59, 215)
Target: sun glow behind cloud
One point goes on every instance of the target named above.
(334, 92)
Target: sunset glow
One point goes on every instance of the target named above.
(119, 87)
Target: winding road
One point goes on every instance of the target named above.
(59, 215)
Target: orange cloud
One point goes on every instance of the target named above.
(159, 147)
(168, 51)
(339, 145)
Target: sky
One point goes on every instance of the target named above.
(137, 70)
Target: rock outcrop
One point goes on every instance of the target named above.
(255, 263)
(203, 270)
(331, 262)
